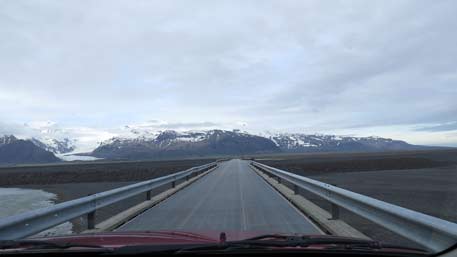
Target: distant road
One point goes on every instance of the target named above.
(230, 198)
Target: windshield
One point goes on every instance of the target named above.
(317, 125)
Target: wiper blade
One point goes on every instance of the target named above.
(304, 241)
(255, 243)
(176, 249)
(298, 243)
(265, 242)
(41, 244)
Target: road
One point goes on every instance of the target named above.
(230, 198)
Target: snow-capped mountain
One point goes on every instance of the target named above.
(171, 143)
(160, 137)
(144, 142)
(220, 142)
(46, 135)
(7, 139)
(53, 145)
(295, 142)
(18, 151)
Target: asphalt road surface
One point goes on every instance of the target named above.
(230, 198)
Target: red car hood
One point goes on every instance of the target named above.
(120, 239)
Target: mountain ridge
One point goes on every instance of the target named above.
(19, 151)
(145, 144)
(170, 143)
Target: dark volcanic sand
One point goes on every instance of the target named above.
(92, 172)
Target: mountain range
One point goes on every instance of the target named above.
(186, 144)
(172, 144)
(330, 143)
(14, 151)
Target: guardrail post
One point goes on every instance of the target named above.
(187, 178)
(335, 212)
(91, 220)
(296, 190)
(148, 195)
(279, 180)
(173, 184)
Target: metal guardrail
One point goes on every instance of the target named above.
(430, 232)
(35, 221)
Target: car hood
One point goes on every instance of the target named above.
(162, 238)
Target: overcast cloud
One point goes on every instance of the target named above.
(384, 68)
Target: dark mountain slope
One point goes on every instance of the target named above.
(17, 151)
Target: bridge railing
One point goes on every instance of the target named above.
(35, 221)
(430, 232)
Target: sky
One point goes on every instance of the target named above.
(91, 68)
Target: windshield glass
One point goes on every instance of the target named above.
(313, 124)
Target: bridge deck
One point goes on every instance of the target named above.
(230, 198)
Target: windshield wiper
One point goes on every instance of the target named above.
(264, 242)
(304, 241)
(39, 244)
(278, 241)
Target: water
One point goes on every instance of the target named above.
(18, 200)
(74, 157)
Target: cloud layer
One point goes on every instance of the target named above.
(310, 66)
